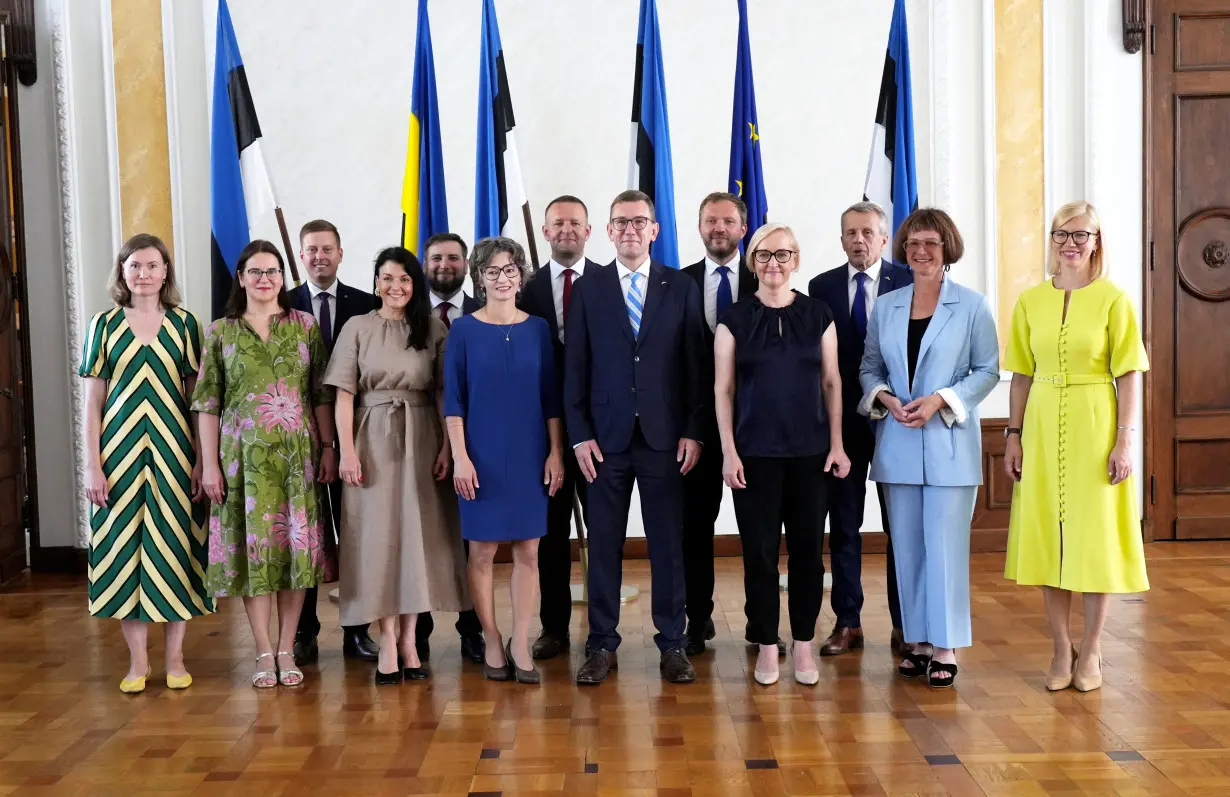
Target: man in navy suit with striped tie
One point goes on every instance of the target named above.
(637, 380)
(851, 291)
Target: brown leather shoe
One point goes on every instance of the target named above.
(842, 640)
(548, 646)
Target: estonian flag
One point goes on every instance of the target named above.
(746, 173)
(423, 205)
(241, 193)
(892, 179)
(499, 190)
(649, 169)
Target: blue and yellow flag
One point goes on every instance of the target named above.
(423, 205)
(746, 174)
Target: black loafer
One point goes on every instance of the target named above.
(597, 667)
(306, 650)
(676, 668)
(548, 646)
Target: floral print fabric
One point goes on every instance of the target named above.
(267, 534)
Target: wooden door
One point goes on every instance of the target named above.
(1187, 102)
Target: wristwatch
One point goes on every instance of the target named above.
(1011, 430)
(328, 444)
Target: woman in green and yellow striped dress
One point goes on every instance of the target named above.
(147, 538)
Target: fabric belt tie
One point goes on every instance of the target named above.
(1070, 380)
(394, 398)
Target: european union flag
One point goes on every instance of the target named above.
(650, 168)
(746, 173)
(892, 177)
(423, 205)
(240, 191)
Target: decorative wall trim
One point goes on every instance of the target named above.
(1090, 99)
(174, 145)
(113, 142)
(990, 217)
(938, 48)
(69, 213)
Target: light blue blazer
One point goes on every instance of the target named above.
(958, 359)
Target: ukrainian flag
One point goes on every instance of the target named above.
(423, 205)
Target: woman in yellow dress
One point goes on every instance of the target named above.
(1075, 353)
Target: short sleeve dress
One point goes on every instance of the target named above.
(147, 547)
(402, 551)
(1070, 527)
(266, 535)
(501, 380)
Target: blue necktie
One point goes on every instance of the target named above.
(636, 304)
(724, 296)
(858, 312)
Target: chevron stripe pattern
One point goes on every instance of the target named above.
(147, 547)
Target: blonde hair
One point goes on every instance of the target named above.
(764, 232)
(1065, 214)
(168, 294)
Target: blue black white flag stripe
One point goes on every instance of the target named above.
(892, 178)
(241, 191)
(649, 168)
(499, 198)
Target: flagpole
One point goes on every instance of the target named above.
(529, 235)
(290, 253)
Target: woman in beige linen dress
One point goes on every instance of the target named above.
(402, 553)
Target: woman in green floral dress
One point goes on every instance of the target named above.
(264, 413)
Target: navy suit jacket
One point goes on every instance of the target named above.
(350, 303)
(538, 298)
(747, 286)
(612, 380)
(832, 288)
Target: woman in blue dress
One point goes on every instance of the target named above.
(503, 419)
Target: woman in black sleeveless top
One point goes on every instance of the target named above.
(778, 396)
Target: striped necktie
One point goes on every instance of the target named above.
(636, 304)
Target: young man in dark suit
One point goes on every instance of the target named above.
(444, 264)
(549, 296)
(333, 304)
(722, 279)
(851, 291)
(636, 386)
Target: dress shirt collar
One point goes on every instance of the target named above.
(315, 291)
(711, 265)
(557, 271)
(872, 272)
(455, 300)
(624, 272)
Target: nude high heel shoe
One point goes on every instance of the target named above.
(1058, 683)
(1087, 683)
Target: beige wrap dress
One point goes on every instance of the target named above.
(402, 551)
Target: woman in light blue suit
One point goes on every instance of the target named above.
(931, 357)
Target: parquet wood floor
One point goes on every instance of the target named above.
(1159, 726)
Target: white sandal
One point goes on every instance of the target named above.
(293, 671)
(259, 677)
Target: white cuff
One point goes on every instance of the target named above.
(955, 412)
(868, 405)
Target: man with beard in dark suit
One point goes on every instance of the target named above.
(723, 280)
(549, 296)
(851, 292)
(444, 264)
(333, 304)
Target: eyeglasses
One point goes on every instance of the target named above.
(781, 255)
(915, 244)
(638, 223)
(1079, 237)
(492, 274)
(269, 273)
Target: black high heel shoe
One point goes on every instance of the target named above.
(918, 665)
(506, 673)
(419, 673)
(529, 676)
(941, 675)
(389, 678)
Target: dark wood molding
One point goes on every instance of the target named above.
(1133, 25)
(19, 43)
(60, 559)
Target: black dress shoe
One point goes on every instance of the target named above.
(473, 648)
(529, 676)
(710, 630)
(306, 651)
(694, 646)
(416, 673)
(696, 638)
(358, 645)
(388, 678)
(548, 646)
(598, 665)
(676, 668)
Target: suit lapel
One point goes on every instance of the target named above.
(840, 304)
(544, 297)
(619, 307)
(655, 288)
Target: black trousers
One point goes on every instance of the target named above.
(787, 491)
(467, 622)
(309, 621)
(555, 551)
(846, 500)
(702, 501)
(656, 473)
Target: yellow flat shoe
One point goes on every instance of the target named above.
(179, 681)
(136, 685)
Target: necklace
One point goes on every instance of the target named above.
(507, 331)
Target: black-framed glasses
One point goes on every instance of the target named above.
(1079, 237)
(493, 273)
(780, 255)
(638, 223)
(268, 273)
